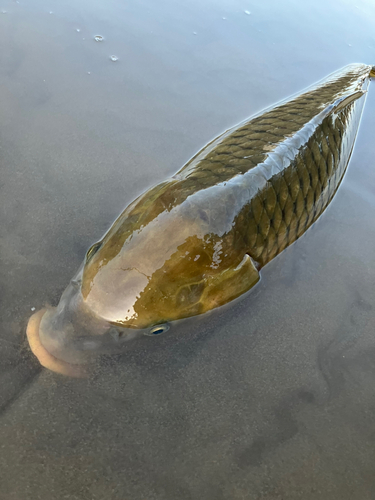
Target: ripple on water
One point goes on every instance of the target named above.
(98, 38)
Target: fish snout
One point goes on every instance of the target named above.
(65, 339)
(46, 358)
(69, 335)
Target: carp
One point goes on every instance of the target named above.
(199, 239)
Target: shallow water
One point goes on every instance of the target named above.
(272, 398)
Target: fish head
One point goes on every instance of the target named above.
(72, 332)
(169, 269)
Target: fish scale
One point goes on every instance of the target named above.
(296, 195)
(248, 142)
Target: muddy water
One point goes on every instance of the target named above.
(271, 399)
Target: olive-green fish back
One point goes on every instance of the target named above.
(296, 196)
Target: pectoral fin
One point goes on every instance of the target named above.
(229, 284)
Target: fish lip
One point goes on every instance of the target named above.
(45, 358)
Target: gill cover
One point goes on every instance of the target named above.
(229, 284)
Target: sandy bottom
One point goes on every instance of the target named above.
(273, 398)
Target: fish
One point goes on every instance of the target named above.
(198, 240)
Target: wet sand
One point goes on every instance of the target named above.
(272, 398)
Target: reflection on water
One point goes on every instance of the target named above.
(274, 396)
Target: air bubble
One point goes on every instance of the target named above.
(98, 38)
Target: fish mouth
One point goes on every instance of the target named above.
(45, 358)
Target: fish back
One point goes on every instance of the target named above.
(293, 198)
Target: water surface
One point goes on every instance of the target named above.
(271, 399)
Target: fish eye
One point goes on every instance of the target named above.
(92, 251)
(158, 329)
